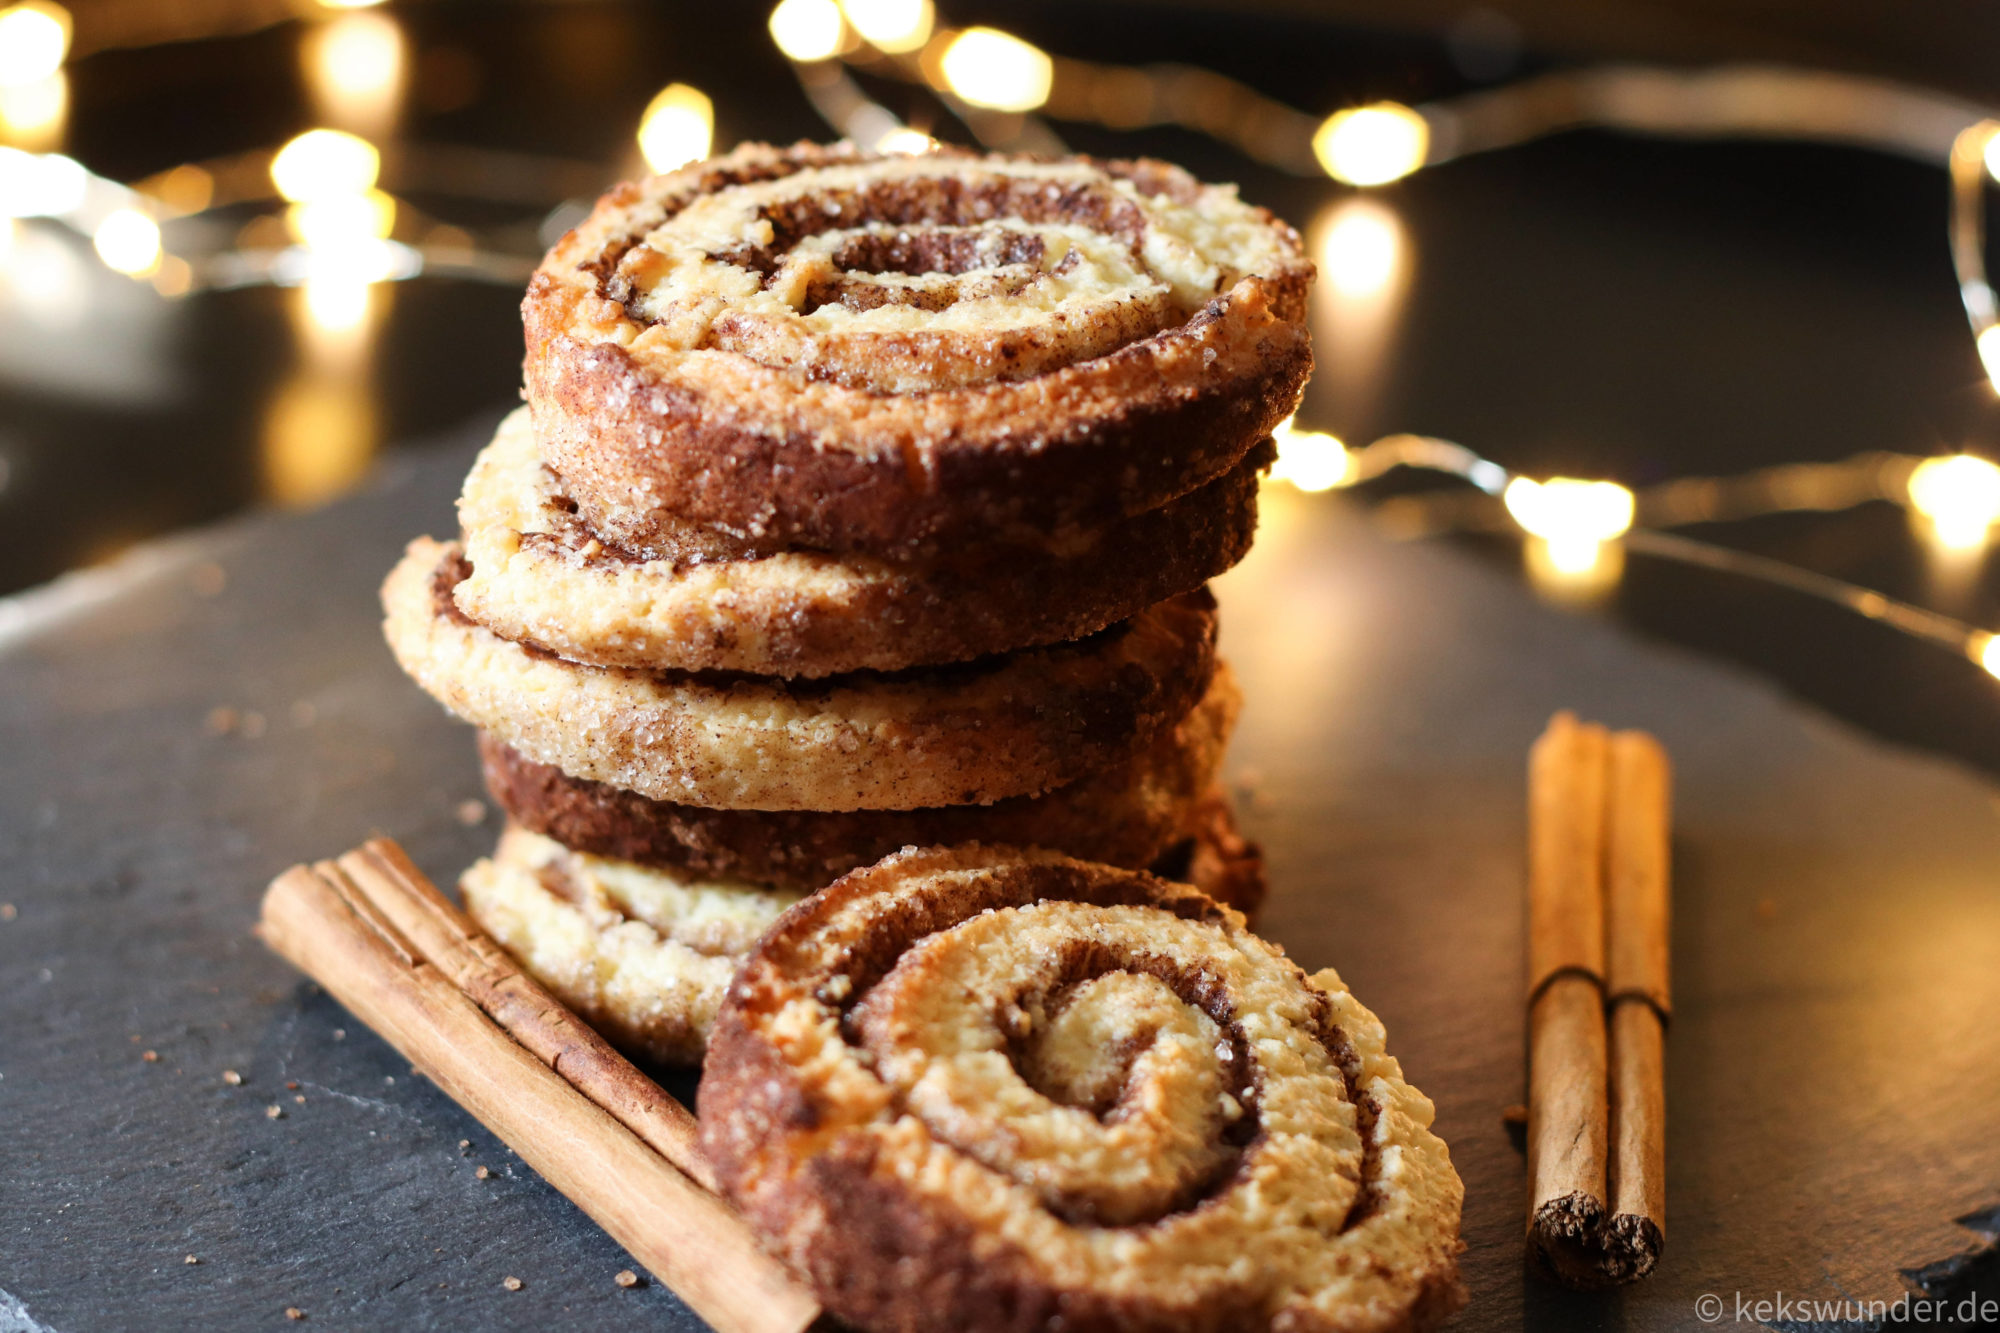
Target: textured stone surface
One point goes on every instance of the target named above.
(1834, 1064)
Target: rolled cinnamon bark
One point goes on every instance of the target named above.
(1567, 1112)
(1598, 940)
(391, 949)
(1637, 922)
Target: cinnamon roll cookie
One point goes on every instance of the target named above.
(980, 732)
(823, 348)
(1148, 810)
(540, 575)
(641, 954)
(645, 952)
(986, 1089)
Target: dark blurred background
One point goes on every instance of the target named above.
(1590, 304)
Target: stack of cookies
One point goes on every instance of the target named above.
(859, 502)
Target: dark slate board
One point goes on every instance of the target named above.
(1835, 1059)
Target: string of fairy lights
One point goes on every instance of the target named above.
(331, 213)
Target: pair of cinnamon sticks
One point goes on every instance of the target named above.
(406, 961)
(1598, 1001)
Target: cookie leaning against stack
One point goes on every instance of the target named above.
(859, 502)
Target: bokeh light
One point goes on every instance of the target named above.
(320, 164)
(1361, 249)
(1960, 495)
(678, 127)
(128, 241)
(355, 65)
(1372, 145)
(40, 184)
(342, 219)
(1310, 460)
(1573, 518)
(997, 70)
(905, 140)
(808, 29)
(894, 26)
(34, 38)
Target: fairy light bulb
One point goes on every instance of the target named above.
(807, 30)
(1310, 460)
(677, 128)
(342, 219)
(321, 164)
(1988, 344)
(1960, 495)
(894, 26)
(905, 140)
(1372, 145)
(128, 241)
(997, 70)
(1985, 650)
(1574, 517)
(34, 38)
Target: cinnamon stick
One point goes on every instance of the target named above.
(1598, 939)
(1568, 1119)
(1637, 924)
(394, 951)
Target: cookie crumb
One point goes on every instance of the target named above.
(190, 1260)
(471, 813)
(221, 720)
(463, 1144)
(231, 1077)
(340, 1034)
(626, 1278)
(292, 1086)
(274, 1112)
(293, 1312)
(482, 1173)
(150, 1057)
(300, 1099)
(511, 1283)
(8, 912)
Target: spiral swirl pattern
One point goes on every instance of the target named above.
(850, 352)
(979, 1088)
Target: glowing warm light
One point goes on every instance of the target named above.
(320, 164)
(998, 70)
(891, 25)
(1985, 650)
(319, 437)
(1361, 250)
(336, 304)
(32, 114)
(34, 38)
(1573, 519)
(1310, 460)
(1989, 353)
(808, 29)
(129, 241)
(354, 65)
(349, 4)
(1992, 155)
(183, 190)
(1372, 145)
(677, 128)
(903, 139)
(342, 219)
(39, 184)
(173, 277)
(1960, 495)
